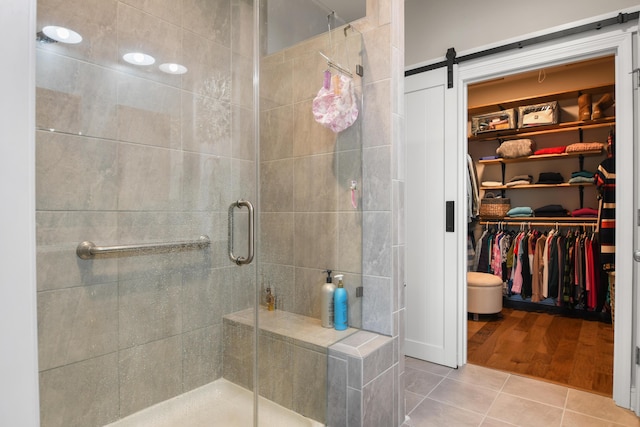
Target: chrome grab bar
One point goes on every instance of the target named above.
(88, 250)
(238, 259)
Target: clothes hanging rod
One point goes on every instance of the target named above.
(621, 18)
(89, 250)
(540, 224)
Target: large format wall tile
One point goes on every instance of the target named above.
(314, 240)
(149, 178)
(377, 401)
(57, 235)
(149, 309)
(242, 131)
(377, 114)
(206, 182)
(376, 244)
(204, 296)
(206, 126)
(64, 334)
(276, 84)
(201, 356)
(209, 18)
(310, 383)
(376, 173)
(376, 313)
(242, 27)
(350, 242)
(276, 238)
(81, 394)
(148, 112)
(278, 195)
(209, 66)
(149, 374)
(310, 137)
(168, 10)
(75, 97)
(275, 359)
(315, 188)
(75, 173)
(276, 133)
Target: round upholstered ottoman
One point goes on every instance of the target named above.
(484, 293)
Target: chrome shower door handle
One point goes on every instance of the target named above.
(250, 231)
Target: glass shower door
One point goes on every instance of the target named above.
(144, 137)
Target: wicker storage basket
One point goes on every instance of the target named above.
(494, 207)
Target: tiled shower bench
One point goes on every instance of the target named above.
(293, 358)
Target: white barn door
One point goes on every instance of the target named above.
(431, 251)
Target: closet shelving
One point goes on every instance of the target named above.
(567, 127)
(554, 96)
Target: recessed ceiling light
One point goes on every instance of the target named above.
(138, 58)
(171, 68)
(62, 34)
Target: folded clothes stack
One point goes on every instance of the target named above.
(521, 211)
(550, 178)
(585, 213)
(584, 146)
(550, 150)
(581, 177)
(491, 183)
(520, 180)
(551, 211)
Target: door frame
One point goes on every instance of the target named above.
(618, 42)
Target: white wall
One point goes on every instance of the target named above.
(433, 26)
(18, 358)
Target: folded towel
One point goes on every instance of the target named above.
(550, 178)
(491, 184)
(585, 212)
(551, 210)
(516, 148)
(581, 180)
(585, 174)
(514, 183)
(520, 211)
(585, 146)
(551, 150)
(522, 178)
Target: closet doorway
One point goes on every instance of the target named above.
(556, 322)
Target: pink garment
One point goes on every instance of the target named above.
(516, 287)
(335, 107)
(496, 256)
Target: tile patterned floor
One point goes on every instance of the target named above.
(477, 396)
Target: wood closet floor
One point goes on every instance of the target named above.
(569, 351)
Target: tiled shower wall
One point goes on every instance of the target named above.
(383, 225)
(132, 155)
(308, 222)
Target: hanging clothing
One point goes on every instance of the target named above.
(473, 190)
(605, 180)
(539, 266)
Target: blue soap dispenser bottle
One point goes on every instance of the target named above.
(340, 305)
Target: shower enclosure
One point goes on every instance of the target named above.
(159, 131)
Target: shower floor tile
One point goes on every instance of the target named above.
(218, 403)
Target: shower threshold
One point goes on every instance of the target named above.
(218, 403)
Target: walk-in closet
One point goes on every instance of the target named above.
(541, 163)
